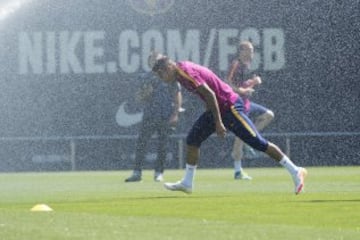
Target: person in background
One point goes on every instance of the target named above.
(162, 103)
(224, 110)
(243, 84)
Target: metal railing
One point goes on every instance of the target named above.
(178, 137)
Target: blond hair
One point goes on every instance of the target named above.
(244, 45)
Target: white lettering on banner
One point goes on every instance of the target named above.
(225, 49)
(68, 57)
(93, 52)
(30, 53)
(274, 56)
(84, 52)
(209, 47)
(189, 49)
(151, 39)
(50, 52)
(129, 61)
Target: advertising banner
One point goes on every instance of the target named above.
(70, 69)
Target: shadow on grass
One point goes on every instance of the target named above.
(172, 197)
(331, 200)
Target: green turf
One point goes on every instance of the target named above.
(99, 205)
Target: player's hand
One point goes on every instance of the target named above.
(220, 129)
(245, 92)
(173, 120)
(248, 91)
(257, 80)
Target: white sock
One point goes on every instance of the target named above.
(237, 165)
(289, 165)
(189, 175)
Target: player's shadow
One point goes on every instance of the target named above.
(171, 197)
(331, 200)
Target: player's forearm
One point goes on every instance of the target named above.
(243, 91)
(211, 101)
(252, 82)
(177, 103)
(231, 73)
(239, 90)
(212, 105)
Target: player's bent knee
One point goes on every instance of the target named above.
(270, 114)
(193, 141)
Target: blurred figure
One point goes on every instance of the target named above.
(243, 85)
(162, 103)
(224, 110)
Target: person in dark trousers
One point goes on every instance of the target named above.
(162, 104)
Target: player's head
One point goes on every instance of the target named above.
(246, 52)
(162, 66)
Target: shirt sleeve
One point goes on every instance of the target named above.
(191, 78)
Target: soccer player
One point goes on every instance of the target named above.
(224, 110)
(162, 103)
(244, 85)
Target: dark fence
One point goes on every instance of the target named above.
(117, 152)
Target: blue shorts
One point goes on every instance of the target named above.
(234, 120)
(257, 109)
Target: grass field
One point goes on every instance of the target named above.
(99, 205)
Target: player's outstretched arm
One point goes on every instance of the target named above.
(212, 104)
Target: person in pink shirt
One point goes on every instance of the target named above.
(224, 110)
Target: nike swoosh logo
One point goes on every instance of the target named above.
(125, 119)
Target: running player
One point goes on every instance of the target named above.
(224, 110)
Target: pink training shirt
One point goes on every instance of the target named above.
(237, 76)
(191, 76)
